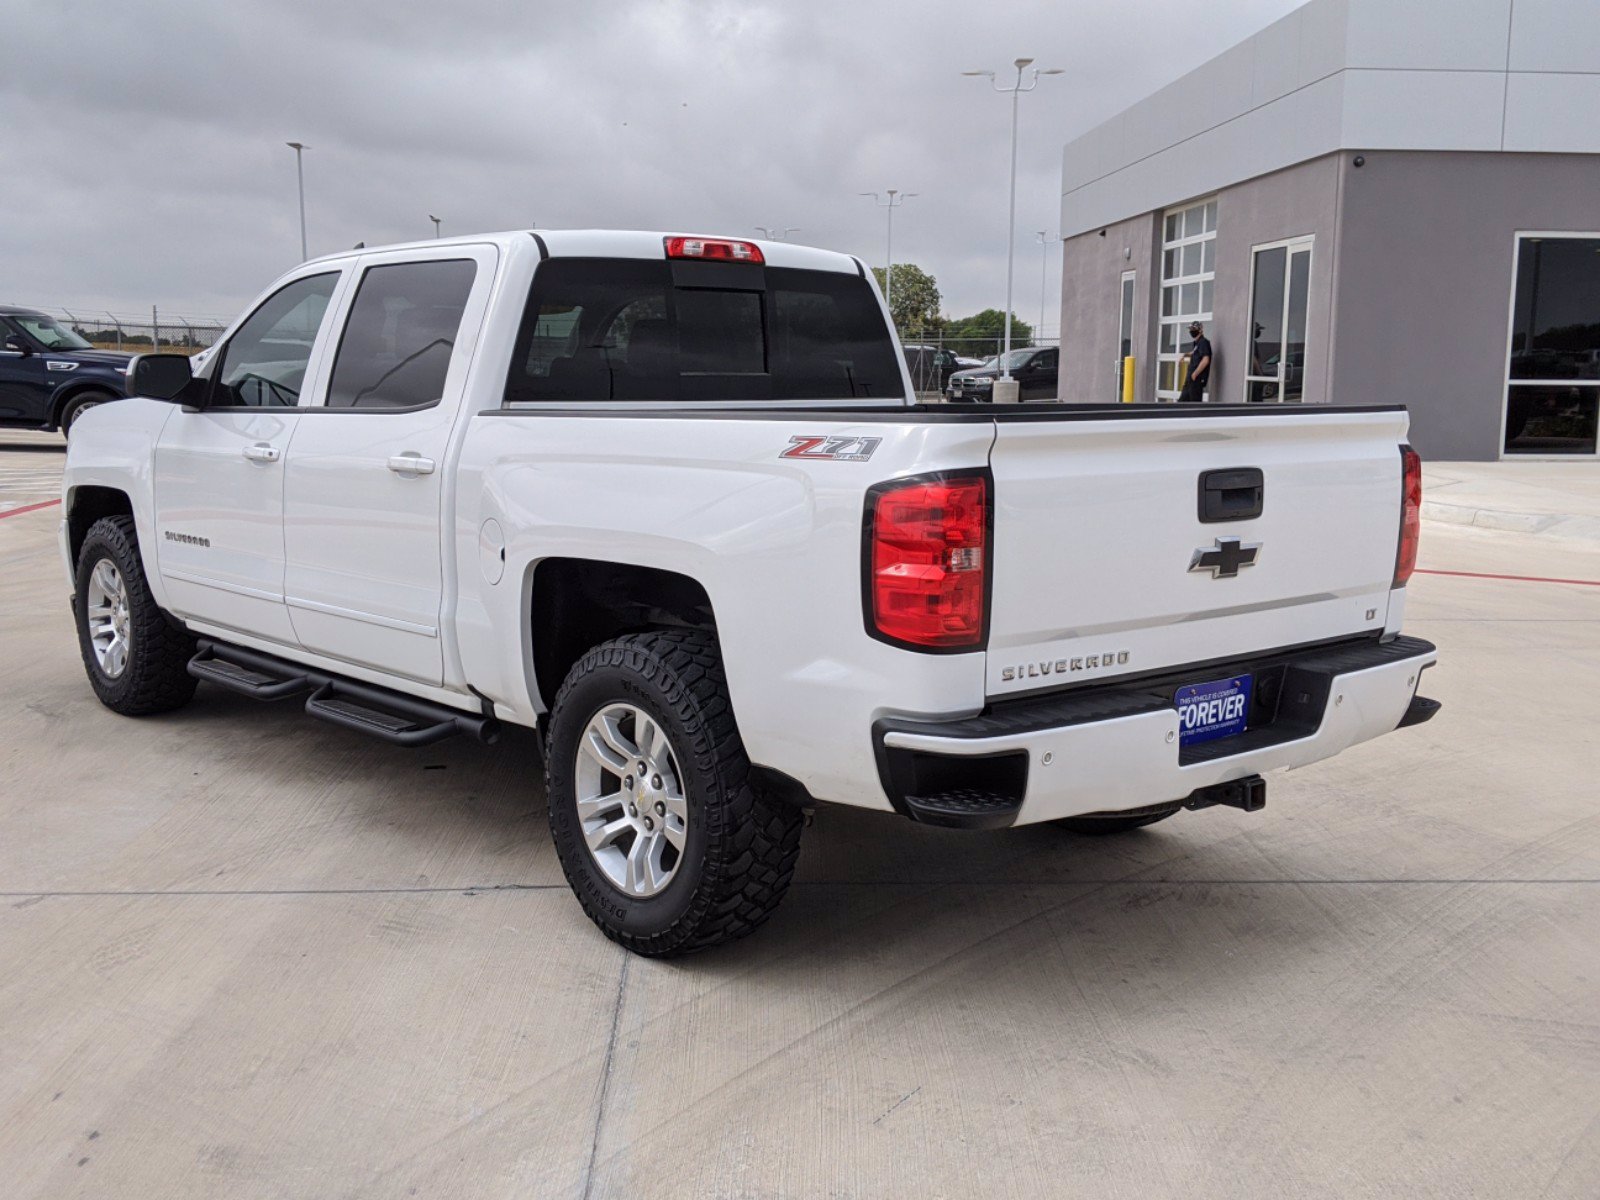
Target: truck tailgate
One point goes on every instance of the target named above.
(1098, 520)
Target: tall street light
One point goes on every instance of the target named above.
(1015, 91)
(435, 221)
(300, 175)
(774, 233)
(895, 199)
(1045, 242)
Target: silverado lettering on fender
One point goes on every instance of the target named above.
(671, 501)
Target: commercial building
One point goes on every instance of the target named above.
(1367, 201)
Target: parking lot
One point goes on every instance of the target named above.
(247, 954)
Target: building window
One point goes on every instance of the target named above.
(1280, 285)
(1188, 270)
(1553, 380)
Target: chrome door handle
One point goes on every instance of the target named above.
(261, 452)
(411, 464)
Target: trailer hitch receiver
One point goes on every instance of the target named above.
(1248, 794)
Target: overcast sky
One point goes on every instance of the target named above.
(142, 155)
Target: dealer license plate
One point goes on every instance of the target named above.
(1207, 711)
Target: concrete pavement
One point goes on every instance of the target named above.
(245, 954)
(1556, 499)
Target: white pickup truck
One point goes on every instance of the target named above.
(670, 501)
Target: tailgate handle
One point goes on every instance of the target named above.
(1231, 494)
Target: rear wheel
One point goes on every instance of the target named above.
(663, 838)
(136, 658)
(1119, 822)
(80, 404)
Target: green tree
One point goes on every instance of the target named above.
(982, 334)
(915, 302)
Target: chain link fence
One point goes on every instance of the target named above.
(173, 333)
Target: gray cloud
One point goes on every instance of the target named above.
(142, 155)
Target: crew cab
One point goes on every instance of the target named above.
(49, 374)
(669, 501)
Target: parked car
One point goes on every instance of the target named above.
(670, 501)
(1034, 369)
(49, 375)
(930, 367)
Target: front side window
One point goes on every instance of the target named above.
(397, 344)
(263, 365)
(624, 329)
(50, 333)
(1553, 392)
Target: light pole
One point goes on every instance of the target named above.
(1015, 91)
(1044, 272)
(435, 221)
(774, 234)
(895, 199)
(300, 175)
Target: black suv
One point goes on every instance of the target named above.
(49, 375)
(1033, 368)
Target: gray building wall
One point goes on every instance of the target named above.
(1295, 202)
(1424, 281)
(1091, 309)
(1411, 273)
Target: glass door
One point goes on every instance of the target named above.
(1124, 332)
(1553, 374)
(1188, 275)
(1280, 284)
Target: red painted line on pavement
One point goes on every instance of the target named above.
(27, 508)
(1514, 578)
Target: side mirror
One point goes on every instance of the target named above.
(159, 376)
(18, 345)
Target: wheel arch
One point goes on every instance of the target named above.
(88, 503)
(576, 603)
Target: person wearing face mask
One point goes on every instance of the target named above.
(1199, 366)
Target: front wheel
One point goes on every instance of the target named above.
(136, 658)
(664, 840)
(78, 405)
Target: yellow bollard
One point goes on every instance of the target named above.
(1127, 380)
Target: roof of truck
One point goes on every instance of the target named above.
(621, 243)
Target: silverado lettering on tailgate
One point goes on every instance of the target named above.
(1064, 666)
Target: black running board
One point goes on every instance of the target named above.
(396, 718)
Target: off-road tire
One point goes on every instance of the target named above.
(741, 844)
(79, 404)
(155, 678)
(1118, 822)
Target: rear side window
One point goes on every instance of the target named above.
(402, 329)
(633, 329)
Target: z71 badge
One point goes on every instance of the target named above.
(835, 449)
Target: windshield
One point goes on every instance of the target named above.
(1017, 357)
(50, 333)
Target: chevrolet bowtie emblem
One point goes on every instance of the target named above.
(1225, 558)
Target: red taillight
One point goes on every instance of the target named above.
(928, 562)
(721, 249)
(1405, 560)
